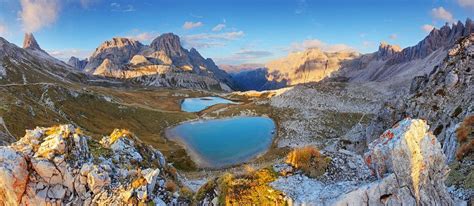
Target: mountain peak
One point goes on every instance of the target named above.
(169, 43)
(30, 42)
(387, 50)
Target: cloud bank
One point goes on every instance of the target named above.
(207, 40)
(427, 28)
(466, 3)
(191, 25)
(218, 27)
(36, 14)
(442, 14)
(316, 43)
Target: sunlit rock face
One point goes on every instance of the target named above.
(162, 63)
(60, 165)
(404, 166)
(118, 51)
(311, 65)
(386, 51)
(29, 42)
(393, 69)
(411, 165)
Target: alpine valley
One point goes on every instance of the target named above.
(392, 127)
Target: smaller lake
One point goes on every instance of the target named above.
(201, 103)
(224, 142)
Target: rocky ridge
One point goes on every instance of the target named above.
(60, 165)
(77, 63)
(393, 68)
(162, 63)
(311, 65)
(30, 43)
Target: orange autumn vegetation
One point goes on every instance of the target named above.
(119, 133)
(249, 189)
(309, 160)
(465, 135)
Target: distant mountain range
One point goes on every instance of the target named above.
(162, 63)
(391, 65)
(165, 63)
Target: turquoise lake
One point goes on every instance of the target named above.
(224, 142)
(201, 103)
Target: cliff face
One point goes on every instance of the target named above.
(311, 65)
(394, 68)
(162, 63)
(77, 63)
(438, 38)
(61, 165)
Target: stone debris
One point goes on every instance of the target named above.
(407, 159)
(55, 166)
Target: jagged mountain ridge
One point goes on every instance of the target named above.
(162, 63)
(391, 65)
(396, 68)
(77, 63)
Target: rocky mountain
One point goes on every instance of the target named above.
(30, 43)
(394, 68)
(162, 63)
(444, 98)
(77, 63)
(60, 165)
(387, 51)
(311, 65)
(441, 38)
(33, 65)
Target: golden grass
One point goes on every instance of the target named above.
(465, 136)
(309, 160)
(249, 189)
(119, 133)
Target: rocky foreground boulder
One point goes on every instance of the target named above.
(60, 165)
(409, 165)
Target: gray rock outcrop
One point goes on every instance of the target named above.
(29, 42)
(77, 63)
(58, 166)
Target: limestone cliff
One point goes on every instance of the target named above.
(61, 165)
(163, 62)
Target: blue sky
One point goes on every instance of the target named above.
(230, 32)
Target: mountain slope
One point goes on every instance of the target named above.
(396, 68)
(163, 63)
(311, 65)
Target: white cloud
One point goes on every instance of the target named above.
(207, 40)
(65, 54)
(466, 3)
(393, 36)
(144, 36)
(122, 8)
(367, 44)
(442, 14)
(427, 28)
(191, 25)
(316, 43)
(218, 27)
(36, 14)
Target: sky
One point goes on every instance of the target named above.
(229, 31)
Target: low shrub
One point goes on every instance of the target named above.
(309, 160)
(171, 186)
(465, 136)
